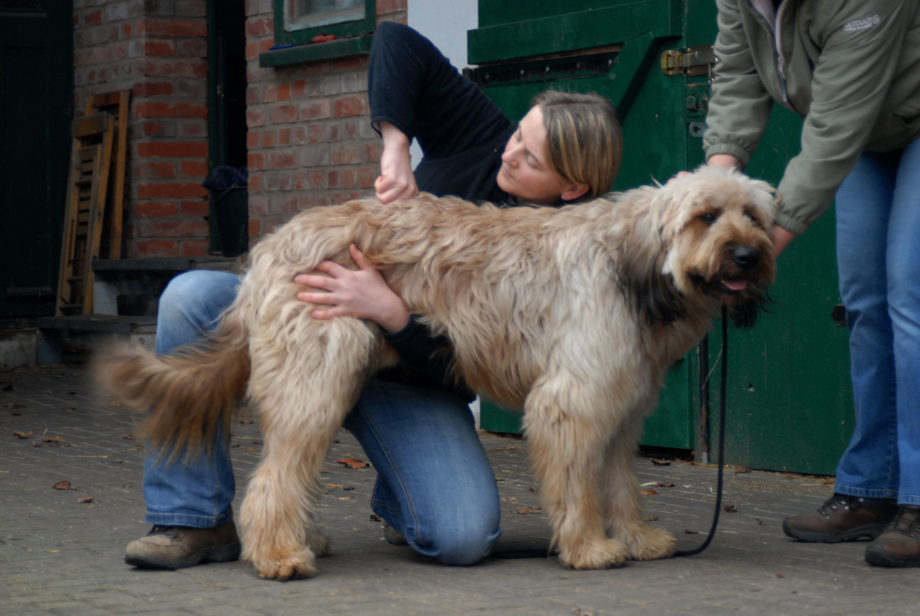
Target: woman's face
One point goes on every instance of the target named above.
(526, 171)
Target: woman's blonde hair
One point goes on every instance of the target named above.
(583, 138)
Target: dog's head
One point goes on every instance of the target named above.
(716, 232)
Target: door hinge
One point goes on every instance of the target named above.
(690, 61)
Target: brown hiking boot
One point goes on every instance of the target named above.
(843, 518)
(174, 547)
(899, 545)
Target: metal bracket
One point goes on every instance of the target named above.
(692, 61)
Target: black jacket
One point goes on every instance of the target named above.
(462, 134)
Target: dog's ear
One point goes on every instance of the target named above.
(651, 292)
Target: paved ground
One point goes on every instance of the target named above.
(61, 550)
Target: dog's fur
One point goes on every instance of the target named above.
(574, 314)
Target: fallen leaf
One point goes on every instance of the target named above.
(22, 435)
(665, 484)
(528, 510)
(63, 485)
(352, 463)
(779, 574)
(730, 508)
(742, 469)
(649, 492)
(688, 531)
(128, 437)
(85, 499)
(246, 421)
(657, 462)
(53, 439)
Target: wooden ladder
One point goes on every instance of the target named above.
(95, 198)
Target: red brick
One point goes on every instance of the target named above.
(194, 169)
(155, 170)
(195, 248)
(177, 228)
(170, 190)
(93, 18)
(177, 27)
(159, 48)
(173, 149)
(348, 106)
(164, 109)
(285, 114)
(255, 161)
(155, 209)
(264, 26)
(155, 248)
(152, 88)
(198, 208)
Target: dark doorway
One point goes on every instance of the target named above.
(227, 126)
(36, 109)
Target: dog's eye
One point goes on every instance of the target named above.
(709, 218)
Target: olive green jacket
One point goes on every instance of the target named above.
(850, 68)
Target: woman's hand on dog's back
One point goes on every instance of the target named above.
(361, 293)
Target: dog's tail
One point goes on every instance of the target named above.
(188, 394)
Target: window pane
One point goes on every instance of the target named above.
(314, 13)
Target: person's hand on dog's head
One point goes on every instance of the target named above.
(361, 293)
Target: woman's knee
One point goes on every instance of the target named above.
(190, 304)
(467, 547)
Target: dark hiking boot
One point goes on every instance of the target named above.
(843, 518)
(175, 547)
(899, 545)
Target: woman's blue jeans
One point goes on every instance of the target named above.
(878, 253)
(434, 482)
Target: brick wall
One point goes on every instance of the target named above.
(158, 50)
(309, 141)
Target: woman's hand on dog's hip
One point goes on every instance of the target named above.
(361, 293)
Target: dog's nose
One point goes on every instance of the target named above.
(745, 257)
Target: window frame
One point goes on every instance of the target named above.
(303, 36)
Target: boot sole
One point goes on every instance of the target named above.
(860, 533)
(218, 554)
(880, 558)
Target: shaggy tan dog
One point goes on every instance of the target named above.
(574, 314)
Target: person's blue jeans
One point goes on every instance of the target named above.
(878, 252)
(434, 484)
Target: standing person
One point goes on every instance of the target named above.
(435, 488)
(851, 69)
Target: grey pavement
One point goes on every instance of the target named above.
(62, 544)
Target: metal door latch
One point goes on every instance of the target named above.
(692, 61)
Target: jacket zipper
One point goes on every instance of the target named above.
(773, 19)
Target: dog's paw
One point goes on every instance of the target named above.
(294, 566)
(602, 554)
(651, 543)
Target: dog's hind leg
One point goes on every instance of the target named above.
(565, 444)
(623, 509)
(302, 393)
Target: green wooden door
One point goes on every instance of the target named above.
(614, 48)
(788, 391)
(36, 106)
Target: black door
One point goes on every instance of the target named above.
(36, 108)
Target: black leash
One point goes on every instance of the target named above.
(538, 553)
(720, 464)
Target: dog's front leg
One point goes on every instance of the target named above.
(565, 448)
(623, 508)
